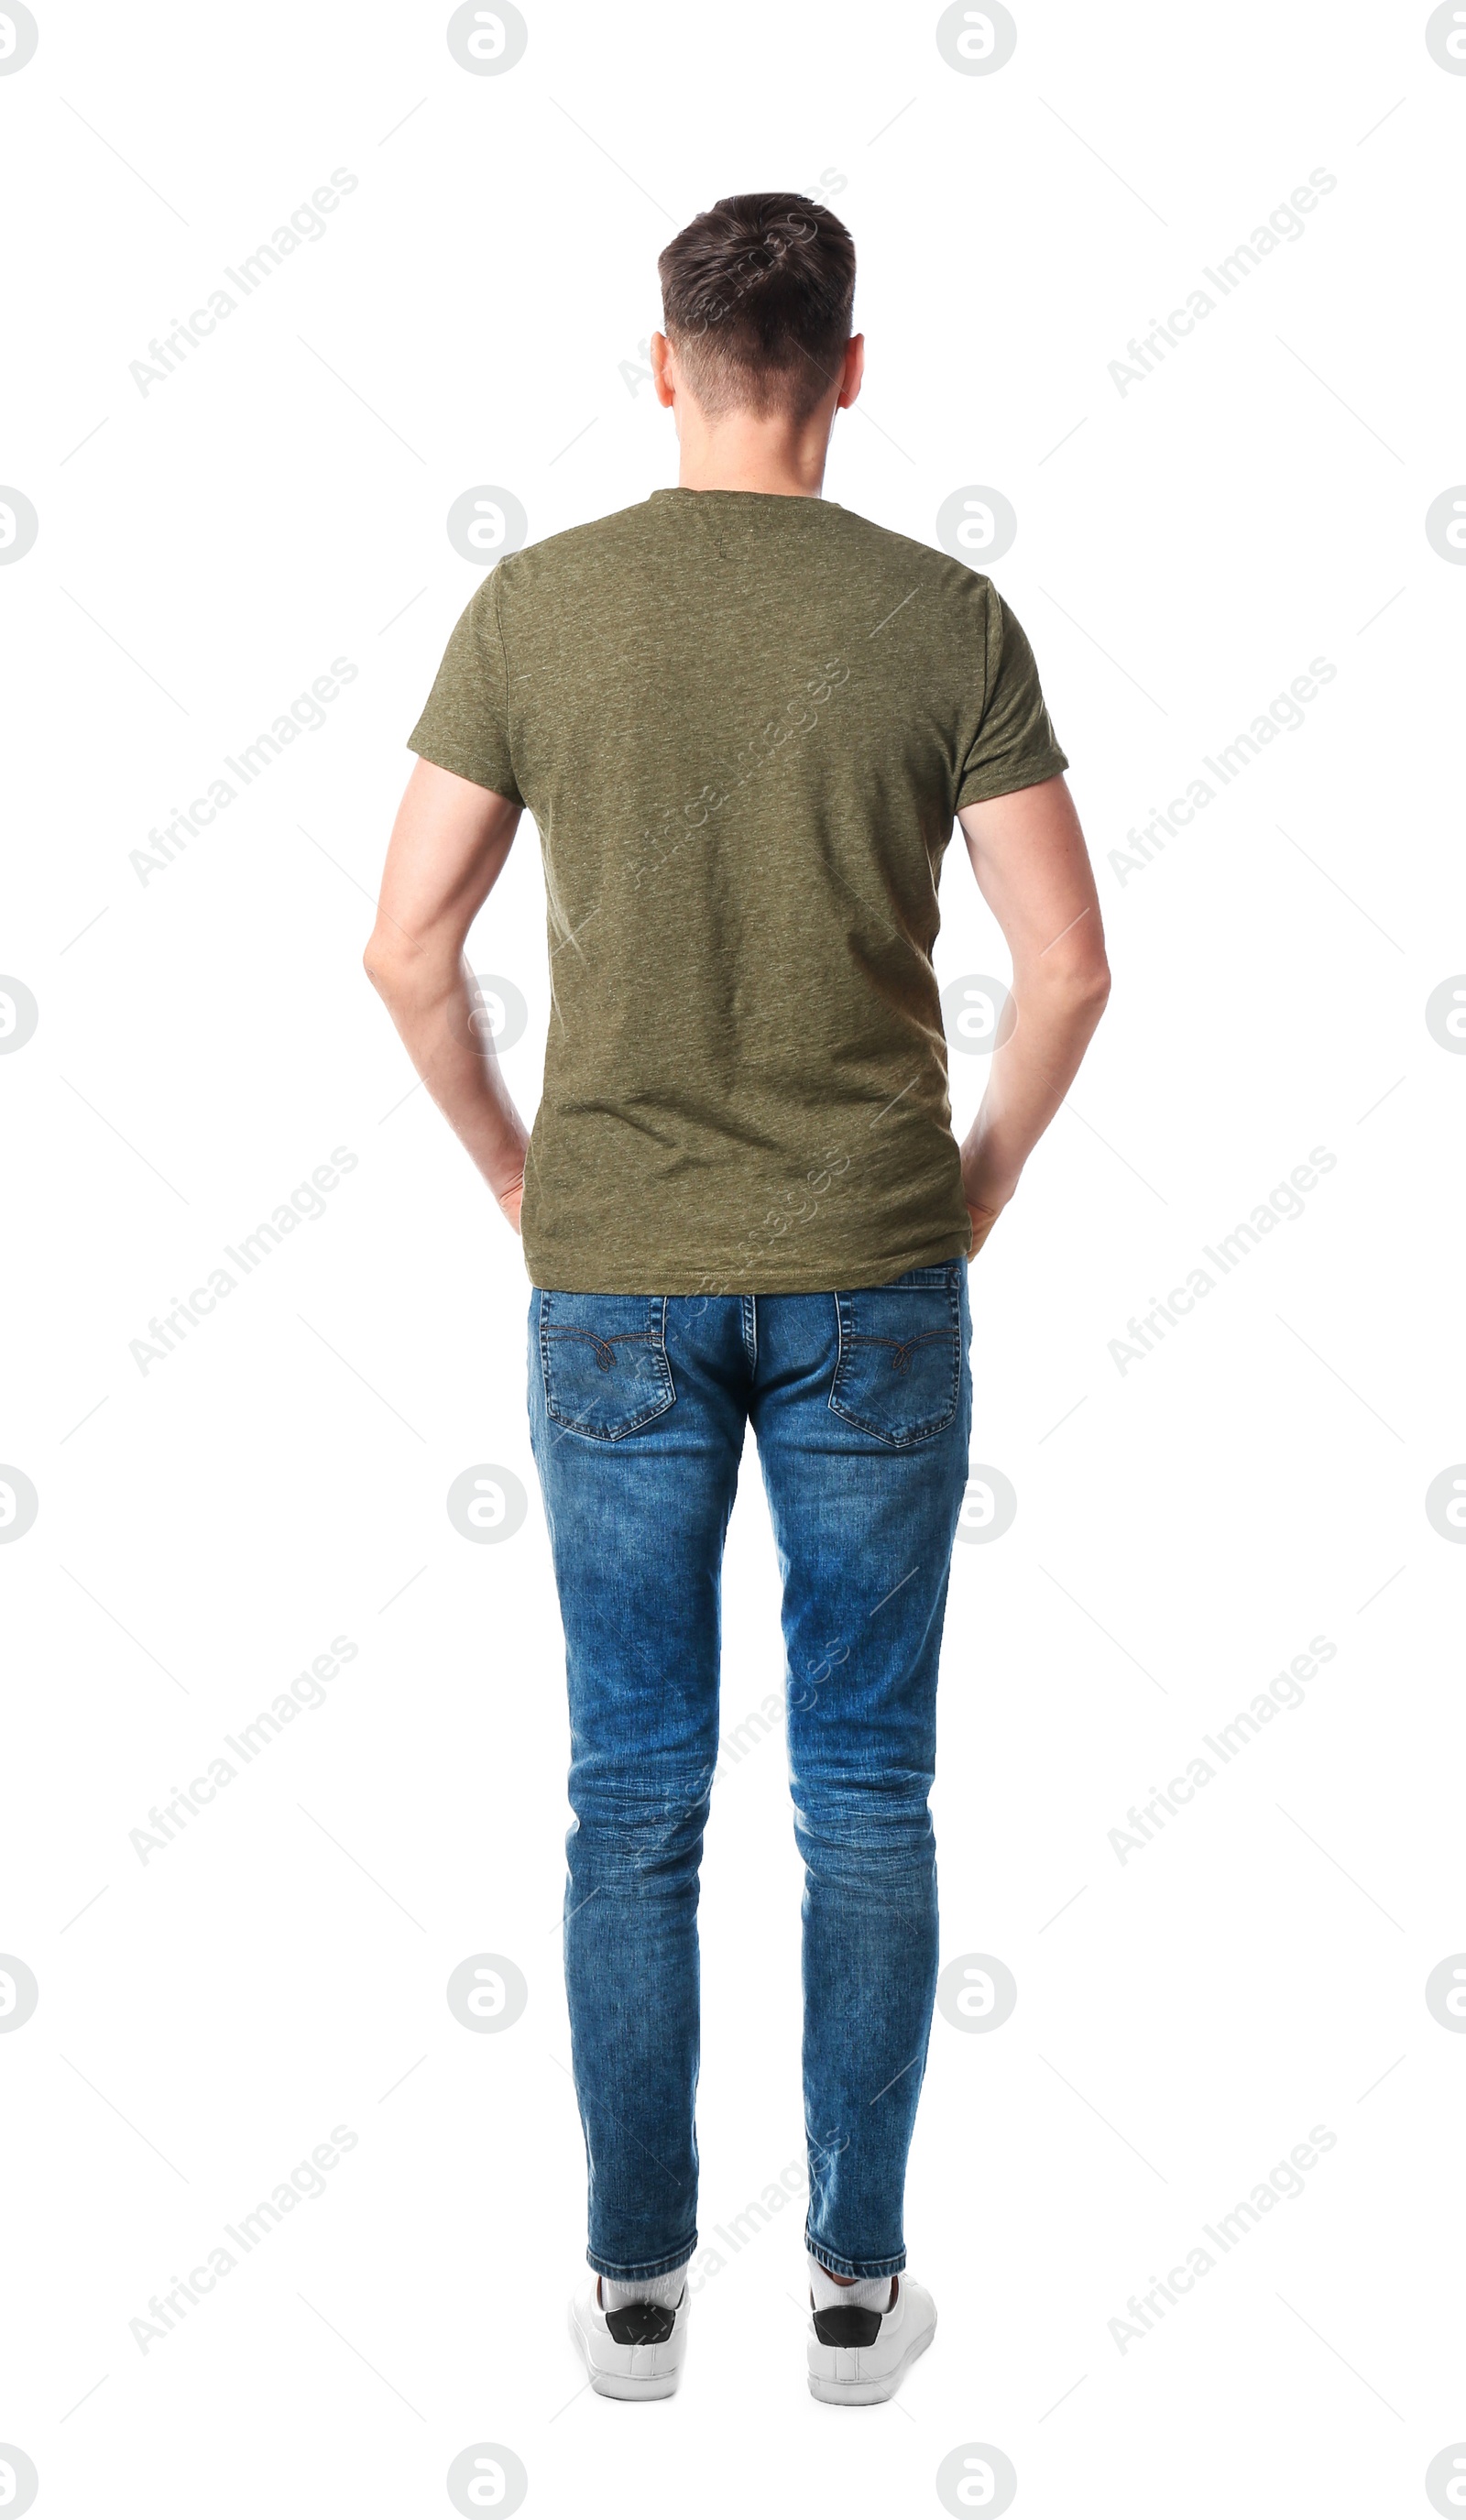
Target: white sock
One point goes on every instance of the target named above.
(873, 2292)
(667, 2289)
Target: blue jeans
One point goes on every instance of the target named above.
(860, 1404)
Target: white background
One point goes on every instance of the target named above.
(207, 1037)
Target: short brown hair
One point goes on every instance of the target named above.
(757, 295)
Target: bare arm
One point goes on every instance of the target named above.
(1029, 857)
(447, 844)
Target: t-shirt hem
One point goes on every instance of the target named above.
(443, 757)
(652, 1275)
(980, 786)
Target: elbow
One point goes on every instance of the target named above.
(1081, 984)
(1092, 995)
(385, 962)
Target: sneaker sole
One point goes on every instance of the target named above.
(870, 2393)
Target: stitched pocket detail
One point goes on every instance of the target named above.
(899, 1368)
(604, 1359)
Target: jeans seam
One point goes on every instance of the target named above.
(862, 2269)
(646, 2269)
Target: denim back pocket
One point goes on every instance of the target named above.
(604, 1362)
(900, 1371)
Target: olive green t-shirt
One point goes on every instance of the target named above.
(744, 724)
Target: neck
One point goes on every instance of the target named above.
(743, 454)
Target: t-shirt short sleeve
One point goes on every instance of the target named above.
(464, 726)
(1015, 744)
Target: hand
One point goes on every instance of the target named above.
(983, 1220)
(986, 1192)
(510, 1200)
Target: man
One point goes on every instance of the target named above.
(744, 719)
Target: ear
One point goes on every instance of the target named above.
(855, 369)
(664, 377)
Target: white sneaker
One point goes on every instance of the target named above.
(858, 2357)
(631, 2352)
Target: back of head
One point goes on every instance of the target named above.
(757, 295)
